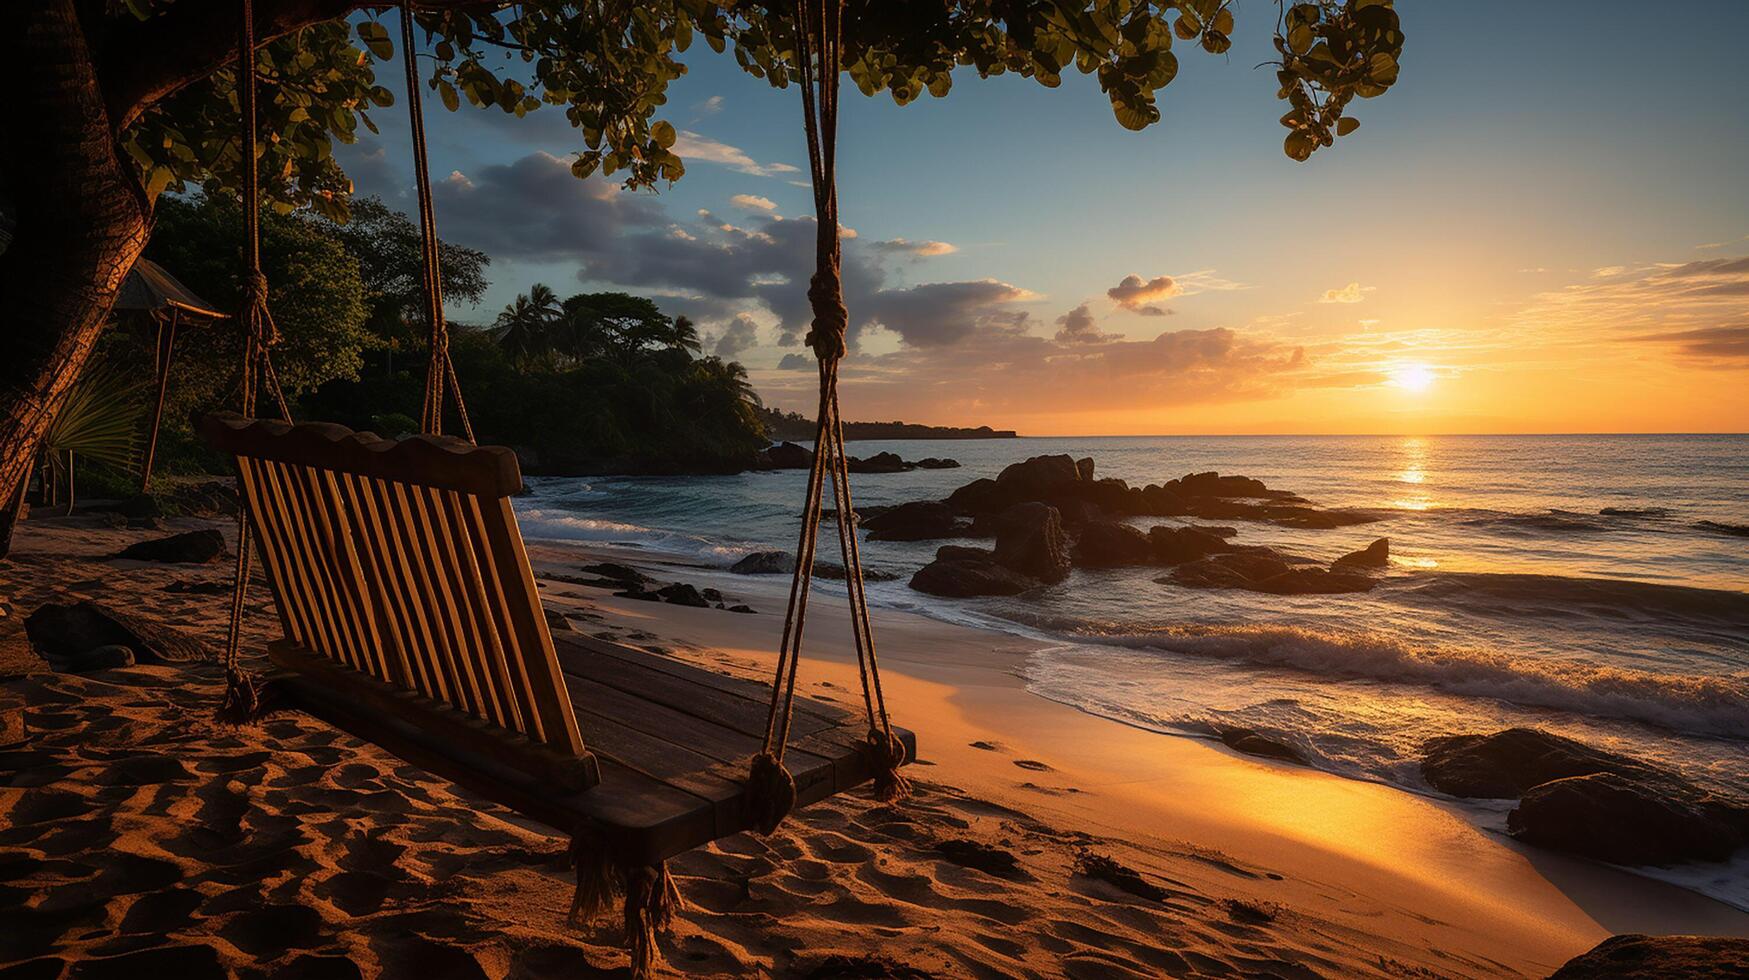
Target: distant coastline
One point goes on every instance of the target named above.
(793, 427)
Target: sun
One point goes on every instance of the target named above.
(1413, 377)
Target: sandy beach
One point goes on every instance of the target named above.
(142, 839)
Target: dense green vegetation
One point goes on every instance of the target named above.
(597, 382)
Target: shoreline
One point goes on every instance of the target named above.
(1264, 865)
(1421, 852)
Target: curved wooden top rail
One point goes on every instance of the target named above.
(433, 461)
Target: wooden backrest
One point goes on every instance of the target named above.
(402, 560)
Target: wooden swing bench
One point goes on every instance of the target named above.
(412, 620)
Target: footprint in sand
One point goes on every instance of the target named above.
(990, 746)
(1033, 765)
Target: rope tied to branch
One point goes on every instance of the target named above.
(771, 788)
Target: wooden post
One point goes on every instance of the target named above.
(166, 349)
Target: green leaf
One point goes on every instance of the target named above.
(376, 38)
(451, 100)
(663, 133)
(1346, 125)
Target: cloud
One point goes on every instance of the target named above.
(796, 362)
(535, 209)
(739, 337)
(709, 107)
(1141, 296)
(1717, 343)
(753, 202)
(1078, 326)
(692, 146)
(1699, 310)
(938, 314)
(1354, 292)
(915, 250)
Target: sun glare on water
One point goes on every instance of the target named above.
(1413, 377)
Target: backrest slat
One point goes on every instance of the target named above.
(402, 561)
(510, 639)
(390, 611)
(301, 555)
(552, 699)
(291, 614)
(335, 535)
(493, 675)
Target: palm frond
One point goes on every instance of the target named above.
(102, 418)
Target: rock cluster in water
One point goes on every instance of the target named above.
(789, 456)
(1049, 513)
(1576, 798)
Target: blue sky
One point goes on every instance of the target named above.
(1525, 149)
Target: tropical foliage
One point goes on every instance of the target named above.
(101, 422)
(607, 66)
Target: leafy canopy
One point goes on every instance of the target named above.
(607, 66)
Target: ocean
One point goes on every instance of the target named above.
(1510, 600)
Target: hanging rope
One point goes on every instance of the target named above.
(440, 371)
(242, 702)
(772, 791)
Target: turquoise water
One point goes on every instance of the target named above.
(1510, 600)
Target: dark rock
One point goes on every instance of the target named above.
(1508, 763)
(615, 572)
(1039, 478)
(196, 547)
(1212, 484)
(1084, 467)
(1030, 540)
(1177, 545)
(1237, 570)
(1314, 581)
(959, 579)
(938, 463)
(711, 595)
(557, 623)
(1375, 555)
(981, 496)
(1108, 544)
(784, 456)
(834, 571)
(1249, 742)
(741, 609)
(919, 520)
(682, 594)
(1077, 513)
(879, 463)
(1157, 501)
(138, 506)
(1610, 818)
(640, 594)
(64, 634)
(765, 563)
(1734, 530)
(959, 552)
(1636, 957)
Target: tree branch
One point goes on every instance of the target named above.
(146, 61)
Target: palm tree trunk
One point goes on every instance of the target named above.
(82, 221)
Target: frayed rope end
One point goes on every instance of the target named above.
(886, 754)
(243, 702)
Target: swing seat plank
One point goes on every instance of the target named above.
(412, 620)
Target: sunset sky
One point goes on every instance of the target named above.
(1543, 227)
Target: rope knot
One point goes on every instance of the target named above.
(886, 754)
(831, 318)
(771, 792)
(254, 290)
